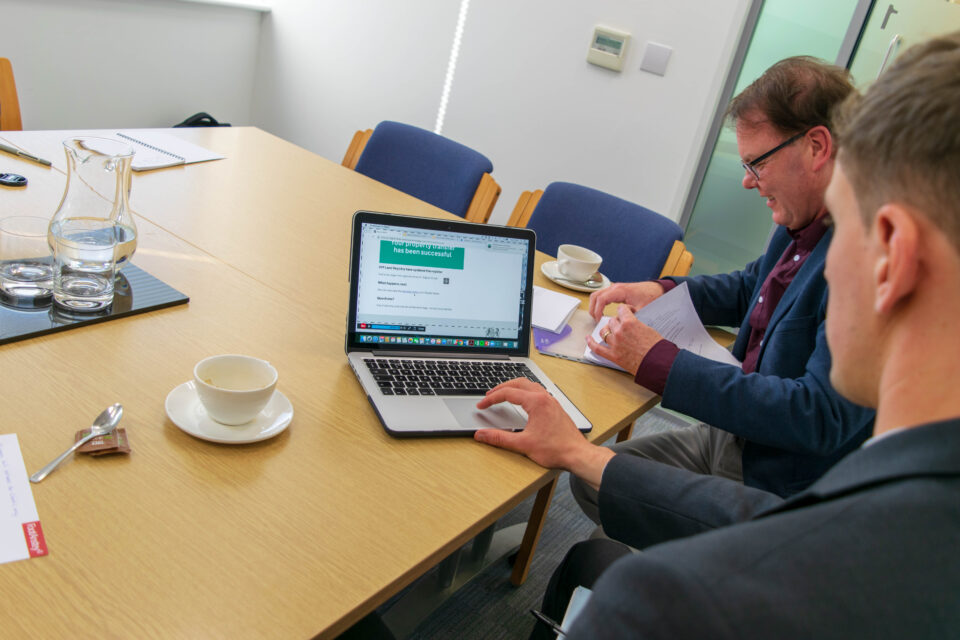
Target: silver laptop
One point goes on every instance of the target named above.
(440, 313)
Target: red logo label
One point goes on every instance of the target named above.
(36, 545)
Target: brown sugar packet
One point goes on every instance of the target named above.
(123, 445)
(115, 442)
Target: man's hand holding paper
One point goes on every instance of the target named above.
(623, 341)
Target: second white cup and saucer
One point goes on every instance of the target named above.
(232, 399)
(576, 268)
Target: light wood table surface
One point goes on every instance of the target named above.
(292, 537)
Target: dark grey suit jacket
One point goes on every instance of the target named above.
(871, 550)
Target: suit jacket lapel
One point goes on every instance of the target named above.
(811, 268)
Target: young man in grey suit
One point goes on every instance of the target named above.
(870, 549)
(775, 422)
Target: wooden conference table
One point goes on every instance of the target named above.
(292, 537)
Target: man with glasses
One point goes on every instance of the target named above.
(775, 423)
(869, 550)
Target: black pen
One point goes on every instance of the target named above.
(24, 154)
(547, 621)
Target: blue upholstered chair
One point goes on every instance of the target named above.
(635, 242)
(428, 166)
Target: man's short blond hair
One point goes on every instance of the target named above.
(900, 141)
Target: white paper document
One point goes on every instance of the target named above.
(578, 600)
(20, 534)
(552, 309)
(672, 315)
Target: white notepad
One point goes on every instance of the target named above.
(552, 309)
(155, 150)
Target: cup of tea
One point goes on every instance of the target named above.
(234, 389)
(577, 263)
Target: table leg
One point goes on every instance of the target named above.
(521, 566)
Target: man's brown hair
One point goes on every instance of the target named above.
(794, 95)
(900, 141)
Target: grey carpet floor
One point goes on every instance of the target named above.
(489, 607)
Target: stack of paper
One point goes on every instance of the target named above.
(551, 309)
(672, 315)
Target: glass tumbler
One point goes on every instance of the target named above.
(84, 261)
(26, 266)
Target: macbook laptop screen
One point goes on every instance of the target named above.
(439, 285)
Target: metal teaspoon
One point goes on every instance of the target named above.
(104, 423)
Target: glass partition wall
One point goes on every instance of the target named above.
(727, 225)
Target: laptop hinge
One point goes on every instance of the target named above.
(430, 354)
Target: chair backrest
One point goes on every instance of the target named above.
(634, 241)
(9, 103)
(428, 166)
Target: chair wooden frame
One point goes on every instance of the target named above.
(357, 144)
(678, 263)
(9, 103)
(484, 199)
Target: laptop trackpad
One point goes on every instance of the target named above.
(499, 416)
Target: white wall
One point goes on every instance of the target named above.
(129, 63)
(314, 71)
(523, 93)
(542, 113)
(330, 67)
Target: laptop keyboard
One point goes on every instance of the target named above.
(398, 377)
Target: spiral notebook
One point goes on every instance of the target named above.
(155, 150)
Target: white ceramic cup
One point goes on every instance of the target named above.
(234, 388)
(577, 263)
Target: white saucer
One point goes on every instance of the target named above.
(552, 271)
(184, 409)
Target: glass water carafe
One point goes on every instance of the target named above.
(98, 187)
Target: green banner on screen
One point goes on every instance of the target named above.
(418, 254)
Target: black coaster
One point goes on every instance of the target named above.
(136, 291)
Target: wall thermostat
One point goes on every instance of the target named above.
(608, 48)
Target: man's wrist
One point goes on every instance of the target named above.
(655, 367)
(588, 463)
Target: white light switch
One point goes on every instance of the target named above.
(655, 58)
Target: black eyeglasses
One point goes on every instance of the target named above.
(752, 165)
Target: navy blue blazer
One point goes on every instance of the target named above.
(794, 423)
(867, 551)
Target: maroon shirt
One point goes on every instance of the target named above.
(655, 367)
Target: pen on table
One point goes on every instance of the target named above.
(24, 154)
(547, 621)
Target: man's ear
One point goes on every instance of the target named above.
(895, 242)
(821, 145)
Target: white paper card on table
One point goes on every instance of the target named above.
(672, 315)
(552, 309)
(20, 534)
